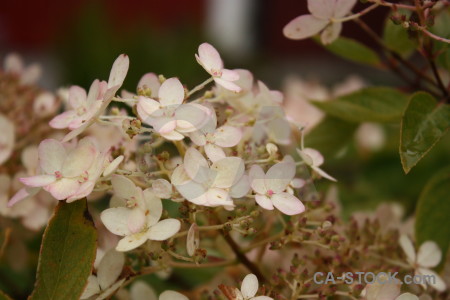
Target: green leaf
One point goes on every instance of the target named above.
(432, 221)
(397, 39)
(67, 253)
(373, 104)
(3, 296)
(424, 123)
(354, 51)
(330, 136)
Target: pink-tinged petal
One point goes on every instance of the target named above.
(63, 120)
(77, 97)
(229, 171)
(245, 80)
(257, 179)
(231, 86)
(408, 248)
(304, 27)
(94, 93)
(264, 201)
(63, 188)
(79, 159)
(434, 280)
(118, 71)
(136, 220)
(173, 136)
(343, 7)
(322, 9)
(209, 58)
(429, 255)
(23, 194)
(241, 188)
(194, 162)
(311, 157)
(171, 92)
(277, 96)
(198, 138)
(115, 220)
(131, 242)
(76, 132)
(227, 136)
(51, 156)
(38, 180)
(323, 174)
(218, 197)
(172, 295)
(146, 107)
(229, 75)
(279, 176)
(214, 153)
(153, 206)
(249, 286)
(150, 81)
(163, 230)
(288, 204)
(331, 33)
(83, 191)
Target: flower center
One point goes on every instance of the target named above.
(270, 193)
(58, 174)
(216, 73)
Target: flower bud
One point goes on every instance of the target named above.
(272, 149)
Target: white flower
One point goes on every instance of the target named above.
(428, 256)
(210, 185)
(314, 160)
(7, 138)
(28, 75)
(169, 117)
(45, 105)
(213, 140)
(105, 283)
(136, 215)
(83, 107)
(249, 288)
(210, 60)
(66, 173)
(323, 18)
(94, 110)
(270, 188)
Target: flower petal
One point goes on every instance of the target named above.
(249, 286)
(241, 188)
(408, 248)
(303, 27)
(231, 86)
(331, 33)
(227, 136)
(115, 220)
(136, 220)
(191, 117)
(229, 75)
(38, 180)
(63, 120)
(288, 204)
(163, 229)
(218, 197)
(112, 166)
(142, 291)
(279, 176)
(214, 153)
(407, 296)
(79, 159)
(150, 81)
(51, 156)
(324, 174)
(171, 92)
(322, 9)
(154, 207)
(63, 188)
(433, 278)
(92, 288)
(172, 295)
(118, 71)
(123, 187)
(257, 181)
(162, 188)
(343, 7)
(264, 201)
(429, 255)
(131, 242)
(195, 164)
(146, 107)
(228, 171)
(110, 268)
(209, 58)
(23, 194)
